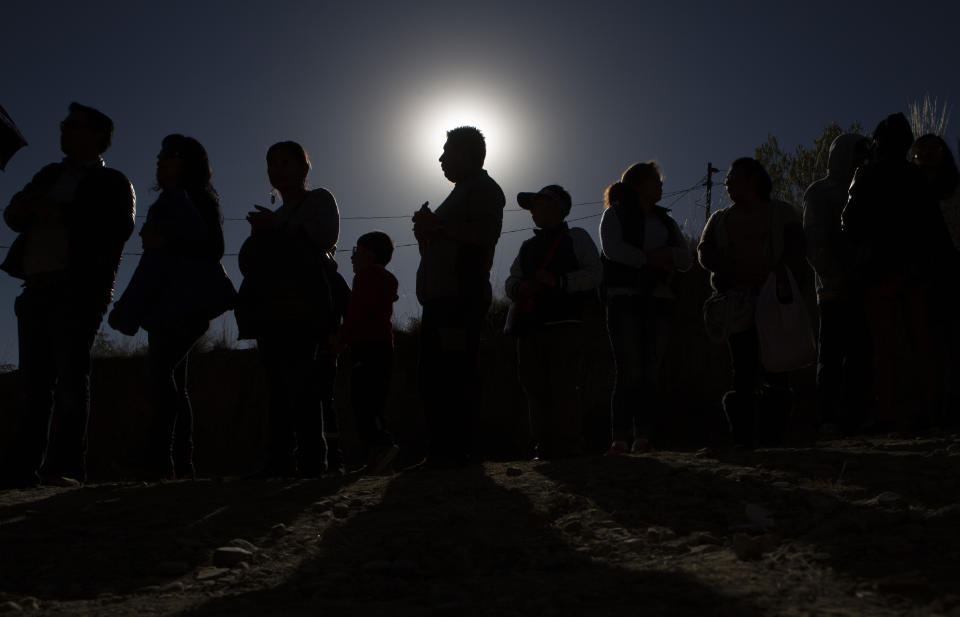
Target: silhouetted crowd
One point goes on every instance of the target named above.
(879, 234)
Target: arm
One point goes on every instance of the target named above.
(20, 214)
(710, 255)
(820, 231)
(612, 244)
(682, 256)
(323, 224)
(480, 219)
(588, 276)
(512, 285)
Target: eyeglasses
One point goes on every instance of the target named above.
(353, 252)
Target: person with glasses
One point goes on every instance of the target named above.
(73, 219)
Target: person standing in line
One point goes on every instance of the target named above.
(843, 349)
(457, 244)
(642, 247)
(290, 301)
(740, 246)
(932, 155)
(552, 276)
(73, 220)
(367, 332)
(901, 252)
(177, 288)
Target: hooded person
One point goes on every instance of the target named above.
(843, 345)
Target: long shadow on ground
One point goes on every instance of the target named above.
(461, 544)
(906, 551)
(111, 538)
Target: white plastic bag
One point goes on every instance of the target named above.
(787, 341)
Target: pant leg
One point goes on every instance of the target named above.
(739, 404)
(170, 449)
(657, 328)
(564, 359)
(318, 445)
(372, 365)
(38, 372)
(449, 385)
(287, 366)
(624, 326)
(534, 379)
(831, 348)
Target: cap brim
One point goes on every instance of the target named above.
(526, 199)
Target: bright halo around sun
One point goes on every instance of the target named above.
(430, 117)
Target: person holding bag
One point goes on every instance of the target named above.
(292, 301)
(178, 287)
(742, 246)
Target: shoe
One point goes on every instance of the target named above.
(641, 445)
(380, 458)
(618, 447)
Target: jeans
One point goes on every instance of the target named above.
(844, 375)
(56, 333)
(639, 329)
(548, 367)
(300, 383)
(371, 368)
(170, 441)
(759, 403)
(448, 374)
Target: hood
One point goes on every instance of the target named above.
(841, 155)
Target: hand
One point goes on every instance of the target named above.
(261, 218)
(548, 279)
(425, 224)
(661, 258)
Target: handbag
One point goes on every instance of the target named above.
(787, 340)
(728, 312)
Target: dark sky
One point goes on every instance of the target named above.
(567, 93)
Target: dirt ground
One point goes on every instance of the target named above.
(865, 527)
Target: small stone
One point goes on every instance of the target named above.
(209, 574)
(10, 607)
(887, 498)
(30, 603)
(703, 538)
(323, 505)
(278, 530)
(513, 472)
(341, 510)
(244, 544)
(174, 586)
(749, 548)
(660, 534)
(356, 503)
(172, 568)
(228, 556)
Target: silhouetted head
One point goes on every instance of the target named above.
(183, 163)
(374, 247)
(622, 194)
(549, 206)
(287, 165)
(748, 182)
(85, 133)
(893, 137)
(463, 153)
(647, 180)
(933, 156)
